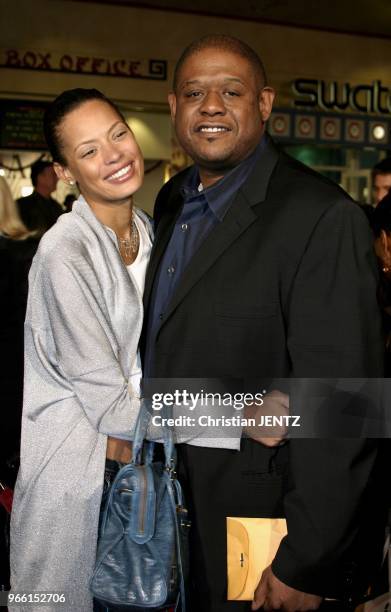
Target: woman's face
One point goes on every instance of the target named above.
(101, 152)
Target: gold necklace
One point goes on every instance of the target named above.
(130, 246)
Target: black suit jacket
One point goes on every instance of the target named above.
(39, 213)
(284, 286)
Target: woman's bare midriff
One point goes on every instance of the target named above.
(119, 450)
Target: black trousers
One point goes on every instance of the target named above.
(216, 487)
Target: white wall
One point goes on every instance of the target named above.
(93, 29)
(63, 26)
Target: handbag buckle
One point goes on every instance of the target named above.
(170, 469)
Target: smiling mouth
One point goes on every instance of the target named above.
(120, 173)
(215, 129)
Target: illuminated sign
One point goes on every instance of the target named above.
(21, 125)
(374, 98)
(83, 64)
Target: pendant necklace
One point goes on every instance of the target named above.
(130, 246)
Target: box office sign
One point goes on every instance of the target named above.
(122, 67)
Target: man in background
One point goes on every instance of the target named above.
(381, 178)
(39, 211)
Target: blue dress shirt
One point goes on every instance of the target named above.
(202, 210)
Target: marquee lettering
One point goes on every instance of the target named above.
(374, 98)
(84, 64)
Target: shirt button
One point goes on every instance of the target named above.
(161, 316)
(184, 227)
(170, 270)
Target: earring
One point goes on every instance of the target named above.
(71, 182)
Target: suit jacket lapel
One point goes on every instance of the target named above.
(238, 218)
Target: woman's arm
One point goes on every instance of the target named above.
(78, 345)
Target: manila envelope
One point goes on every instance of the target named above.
(252, 544)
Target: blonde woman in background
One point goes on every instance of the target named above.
(11, 225)
(17, 248)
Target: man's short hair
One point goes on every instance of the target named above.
(383, 167)
(381, 217)
(39, 166)
(224, 43)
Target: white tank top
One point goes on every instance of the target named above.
(137, 271)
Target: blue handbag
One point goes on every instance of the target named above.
(142, 549)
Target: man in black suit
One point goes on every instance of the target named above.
(39, 211)
(261, 269)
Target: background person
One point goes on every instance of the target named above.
(17, 248)
(82, 372)
(381, 178)
(39, 211)
(381, 225)
(262, 269)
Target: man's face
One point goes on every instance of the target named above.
(381, 186)
(48, 179)
(219, 109)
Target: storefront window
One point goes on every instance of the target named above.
(350, 168)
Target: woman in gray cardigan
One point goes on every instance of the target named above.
(82, 372)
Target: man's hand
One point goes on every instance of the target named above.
(272, 594)
(275, 403)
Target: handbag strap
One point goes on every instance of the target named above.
(173, 485)
(169, 450)
(140, 433)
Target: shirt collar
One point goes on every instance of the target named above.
(219, 196)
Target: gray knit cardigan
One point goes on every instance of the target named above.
(83, 323)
